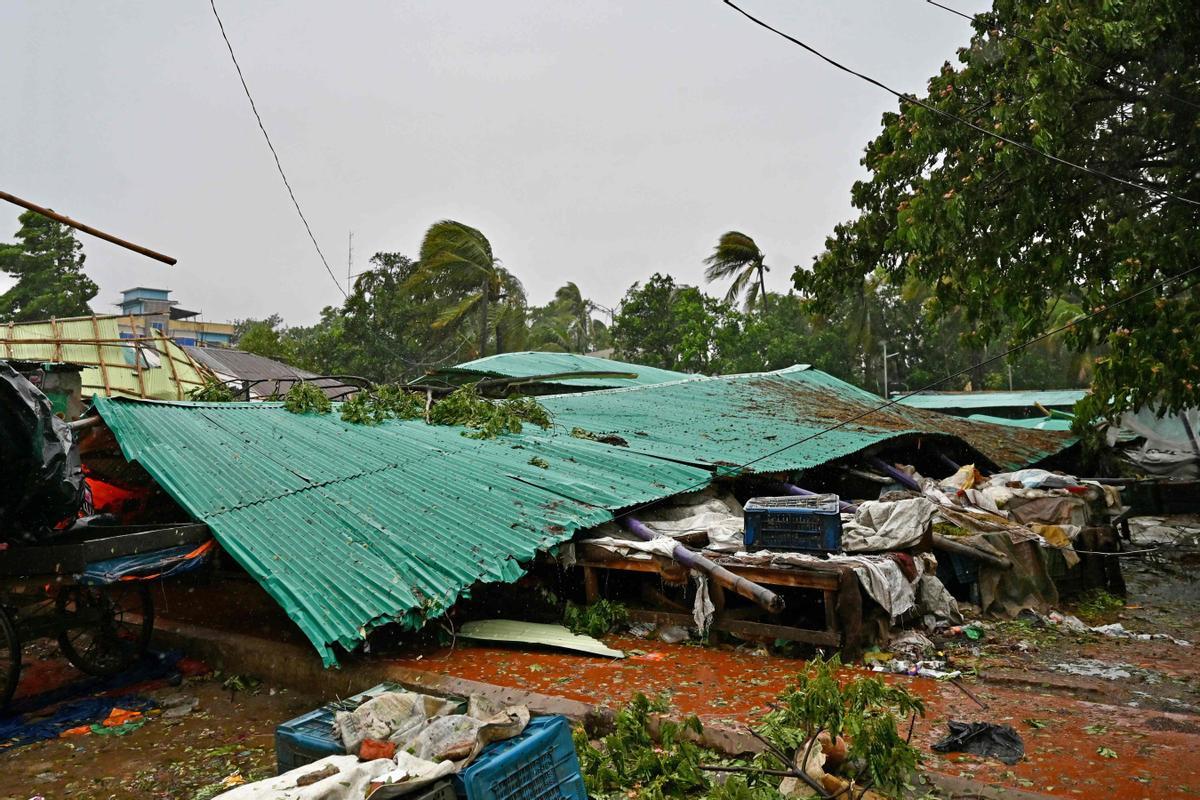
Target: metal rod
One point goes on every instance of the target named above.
(693, 560)
(108, 237)
(792, 488)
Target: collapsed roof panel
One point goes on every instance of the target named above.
(1022, 399)
(736, 419)
(268, 377)
(350, 526)
(531, 364)
(148, 366)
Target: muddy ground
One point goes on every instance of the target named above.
(1132, 734)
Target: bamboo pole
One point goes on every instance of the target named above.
(171, 361)
(65, 220)
(100, 355)
(137, 358)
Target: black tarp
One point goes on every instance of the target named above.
(41, 480)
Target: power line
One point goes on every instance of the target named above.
(908, 98)
(889, 403)
(981, 18)
(278, 165)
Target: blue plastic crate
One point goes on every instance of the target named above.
(540, 764)
(310, 737)
(810, 524)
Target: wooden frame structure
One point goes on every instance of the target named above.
(837, 583)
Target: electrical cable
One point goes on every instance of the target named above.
(981, 18)
(889, 403)
(908, 98)
(278, 165)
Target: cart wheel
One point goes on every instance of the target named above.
(101, 632)
(10, 659)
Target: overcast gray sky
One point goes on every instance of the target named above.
(590, 141)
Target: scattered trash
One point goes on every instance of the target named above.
(309, 778)
(178, 705)
(507, 630)
(371, 749)
(1091, 668)
(983, 739)
(1117, 630)
(924, 669)
(911, 644)
(642, 630)
(673, 634)
(1067, 621)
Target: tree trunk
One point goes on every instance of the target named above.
(483, 315)
(762, 287)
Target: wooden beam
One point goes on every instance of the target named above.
(760, 630)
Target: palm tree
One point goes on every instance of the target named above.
(736, 254)
(457, 262)
(573, 305)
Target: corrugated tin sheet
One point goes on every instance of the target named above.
(273, 378)
(1036, 423)
(350, 526)
(111, 365)
(736, 419)
(1055, 398)
(529, 364)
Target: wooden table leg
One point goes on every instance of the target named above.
(591, 585)
(849, 612)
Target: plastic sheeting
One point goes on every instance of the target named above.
(41, 480)
(1167, 445)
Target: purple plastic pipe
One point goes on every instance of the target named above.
(693, 560)
(902, 478)
(792, 488)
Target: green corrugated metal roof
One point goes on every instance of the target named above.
(350, 526)
(530, 363)
(1037, 423)
(1054, 398)
(735, 419)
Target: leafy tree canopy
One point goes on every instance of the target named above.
(1005, 239)
(47, 261)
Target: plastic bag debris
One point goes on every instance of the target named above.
(983, 739)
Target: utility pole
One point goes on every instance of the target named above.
(886, 356)
(349, 261)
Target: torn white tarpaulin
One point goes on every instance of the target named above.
(717, 517)
(703, 608)
(879, 526)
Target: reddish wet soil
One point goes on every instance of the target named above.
(1157, 753)
(228, 734)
